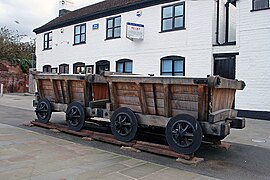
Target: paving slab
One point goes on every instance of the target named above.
(29, 155)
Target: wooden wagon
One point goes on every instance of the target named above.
(188, 108)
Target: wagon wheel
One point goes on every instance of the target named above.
(44, 110)
(124, 124)
(75, 116)
(184, 134)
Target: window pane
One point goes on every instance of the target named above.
(45, 37)
(50, 36)
(179, 10)
(120, 67)
(167, 12)
(166, 66)
(117, 32)
(178, 22)
(128, 67)
(77, 39)
(117, 21)
(45, 45)
(178, 66)
(50, 44)
(261, 4)
(167, 24)
(77, 30)
(110, 23)
(83, 29)
(167, 74)
(109, 33)
(83, 38)
(178, 74)
(66, 70)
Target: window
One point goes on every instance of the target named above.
(260, 4)
(80, 34)
(47, 41)
(124, 66)
(113, 28)
(102, 65)
(54, 70)
(89, 69)
(63, 68)
(79, 68)
(47, 68)
(173, 17)
(173, 66)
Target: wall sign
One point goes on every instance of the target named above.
(135, 31)
(95, 27)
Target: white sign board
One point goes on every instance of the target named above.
(135, 31)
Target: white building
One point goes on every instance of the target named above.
(165, 37)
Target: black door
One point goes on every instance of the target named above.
(224, 66)
(102, 66)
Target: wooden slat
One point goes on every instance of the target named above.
(40, 89)
(68, 91)
(201, 102)
(87, 93)
(127, 93)
(128, 100)
(155, 97)
(63, 92)
(134, 108)
(142, 99)
(184, 105)
(55, 90)
(167, 100)
(113, 95)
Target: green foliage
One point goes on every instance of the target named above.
(14, 50)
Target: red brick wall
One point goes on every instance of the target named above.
(13, 78)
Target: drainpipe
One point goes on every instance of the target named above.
(217, 29)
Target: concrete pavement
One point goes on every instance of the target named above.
(26, 154)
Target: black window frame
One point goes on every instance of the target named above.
(80, 65)
(47, 69)
(173, 17)
(124, 61)
(64, 66)
(113, 27)
(253, 6)
(80, 34)
(87, 67)
(173, 59)
(47, 41)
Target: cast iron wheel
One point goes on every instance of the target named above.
(124, 124)
(184, 134)
(75, 116)
(44, 110)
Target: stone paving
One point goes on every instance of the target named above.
(29, 155)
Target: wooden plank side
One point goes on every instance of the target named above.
(113, 95)
(192, 113)
(127, 86)
(185, 105)
(184, 89)
(185, 97)
(134, 108)
(55, 91)
(127, 93)
(201, 102)
(68, 91)
(222, 99)
(142, 99)
(128, 100)
(167, 100)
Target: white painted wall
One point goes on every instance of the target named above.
(194, 43)
(253, 63)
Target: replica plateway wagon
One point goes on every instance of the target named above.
(190, 109)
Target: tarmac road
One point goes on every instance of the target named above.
(241, 161)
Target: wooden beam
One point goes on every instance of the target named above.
(40, 89)
(55, 90)
(155, 98)
(62, 91)
(167, 100)
(113, 95)
(201, 103)
(68, 91)
(87, 93)
(142, 98)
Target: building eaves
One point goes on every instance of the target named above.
(99, 10)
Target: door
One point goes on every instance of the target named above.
(224, 66)
(101, 66)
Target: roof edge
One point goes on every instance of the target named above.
(110, 12)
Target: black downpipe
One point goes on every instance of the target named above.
(227, 22)
(217, 30)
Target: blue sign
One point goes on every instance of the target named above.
(95, 27)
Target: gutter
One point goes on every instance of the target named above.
(217, 28)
